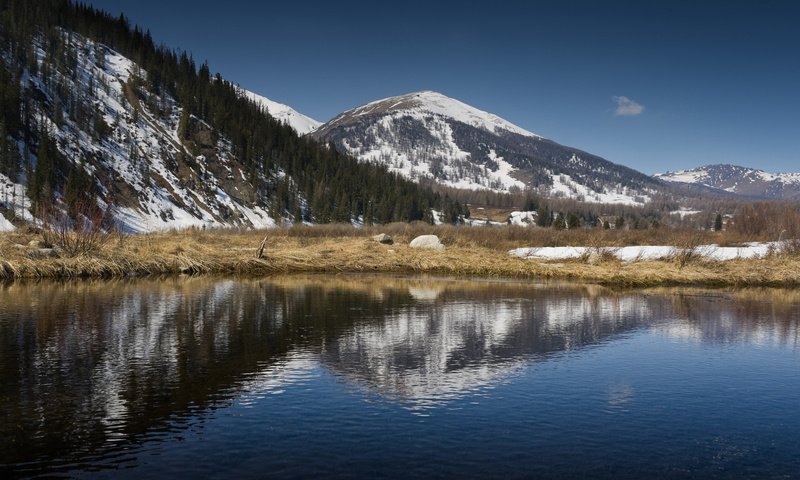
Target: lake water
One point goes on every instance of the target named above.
(380, 377)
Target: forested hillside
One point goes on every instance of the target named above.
(94, 112)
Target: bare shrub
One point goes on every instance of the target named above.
(687, 250)
(82, 234)
(789, 248)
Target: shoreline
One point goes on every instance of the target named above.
(233, 253)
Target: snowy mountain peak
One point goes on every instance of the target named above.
(427, 136)
(739, 180)
(302, 124)
(435, 103)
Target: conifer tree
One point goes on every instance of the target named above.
(572, 221)
(559, 223)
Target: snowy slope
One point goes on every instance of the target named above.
(740, 180)
(150, 176)
(428, 102)
(14, 201)
(427, 136)
(301, 123)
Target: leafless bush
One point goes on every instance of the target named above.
(687, 250)
(789, 248)
(84, 233)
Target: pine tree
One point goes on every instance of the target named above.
(183, 125)
(77, 191)
(530, 204)
(544, 218)
(573, 221)
(43, 178)
(718, 223)
(559, 223)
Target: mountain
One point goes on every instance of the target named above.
(96, 117)
(427, 136)
(300, 123)
(745, 181)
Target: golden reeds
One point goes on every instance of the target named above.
(470, 252)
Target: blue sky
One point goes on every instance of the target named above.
(696, 82)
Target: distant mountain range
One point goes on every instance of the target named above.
(749, 182)
(427, 136)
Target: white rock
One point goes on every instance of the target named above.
(430, 242)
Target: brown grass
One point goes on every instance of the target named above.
(471, 252)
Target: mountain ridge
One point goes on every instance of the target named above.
(302, 124)
(428, 136)
(745, 181)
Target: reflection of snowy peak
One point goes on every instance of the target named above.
(429, 357)
(739, 180)
(428, 136)
(301, 123)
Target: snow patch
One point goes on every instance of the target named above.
(684, 212)
(5, 225)
(565, 187)
(649, 252)
(523, 219)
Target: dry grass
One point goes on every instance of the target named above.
(471, 252)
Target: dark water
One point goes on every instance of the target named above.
(373, 377)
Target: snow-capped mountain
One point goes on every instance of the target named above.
(429, 136)
(302, 124)
(745, 181)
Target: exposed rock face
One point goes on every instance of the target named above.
(430, 242)
(384, 239)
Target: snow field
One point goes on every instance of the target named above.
(649, 252)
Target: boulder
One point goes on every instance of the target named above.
(384, 239)
(430, 242)
(41, 253)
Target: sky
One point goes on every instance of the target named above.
(654, 85)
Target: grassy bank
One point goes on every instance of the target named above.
(476, 252)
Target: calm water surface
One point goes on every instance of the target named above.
(353, 377)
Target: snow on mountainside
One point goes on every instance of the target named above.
(302, 124)
(739, 180)
(428, 136)
(156, 179)
(437, 104)
(143, 162)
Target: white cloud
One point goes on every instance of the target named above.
(627, 107)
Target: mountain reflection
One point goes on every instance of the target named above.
(471, 336)
(89, 369)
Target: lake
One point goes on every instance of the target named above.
(384, 377)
